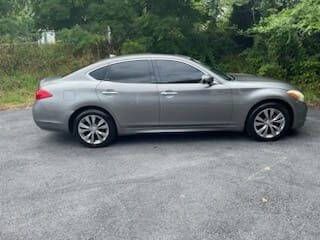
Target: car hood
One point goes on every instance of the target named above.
(262, 81)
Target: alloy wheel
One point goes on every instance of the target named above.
(269, 123)
(93, 129)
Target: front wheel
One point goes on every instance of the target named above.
(268, 122)
(94, 129)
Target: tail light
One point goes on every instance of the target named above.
(42, 94)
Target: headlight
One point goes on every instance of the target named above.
(296, 95)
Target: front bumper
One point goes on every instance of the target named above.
(300, 114)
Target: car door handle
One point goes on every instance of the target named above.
(169, 93)
(109, 92)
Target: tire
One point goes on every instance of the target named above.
(95, 129)
(269, 122)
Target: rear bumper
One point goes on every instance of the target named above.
(48, 118)
(50, 126)
(300, 114)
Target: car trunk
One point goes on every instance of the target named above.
(49, 81)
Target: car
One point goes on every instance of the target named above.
(153, 93)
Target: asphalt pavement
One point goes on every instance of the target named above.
(162, 186)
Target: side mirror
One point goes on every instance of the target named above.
(206, 79)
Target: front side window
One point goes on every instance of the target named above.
(130, 72)
(177, 72)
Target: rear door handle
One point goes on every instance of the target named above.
(169, 93)
(109, 92)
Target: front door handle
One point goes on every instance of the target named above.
(169, 93)
(109, 92)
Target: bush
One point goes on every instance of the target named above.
(31, 58)
(272, 70)
(23, 65)
(286, 44)
(307, 71)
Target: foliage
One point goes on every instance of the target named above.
(16, 23)
(31, 58)
(287, 43)
(131, 47)
(23, 65)
(80, 40)
(275, 38)
(304, 19)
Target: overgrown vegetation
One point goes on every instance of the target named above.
(23, 65)
(275, 38)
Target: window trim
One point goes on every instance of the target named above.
(158, 74)
(154, 70)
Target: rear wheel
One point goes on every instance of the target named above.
(95, 129)
(269, 122)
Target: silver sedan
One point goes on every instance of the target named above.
(163, 93)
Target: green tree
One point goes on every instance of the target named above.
(16, 22)
(290, 40)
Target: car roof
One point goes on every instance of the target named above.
(148, 55)
(142, 56)
(116, 59)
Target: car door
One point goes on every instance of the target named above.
(131, 94)
(185, 101)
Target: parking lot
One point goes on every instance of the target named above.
(162, 186)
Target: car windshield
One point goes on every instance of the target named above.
(221, 74)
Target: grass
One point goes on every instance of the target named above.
(17, 91)
(14, 98)
(21, 68)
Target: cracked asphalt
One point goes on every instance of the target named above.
(162, 186)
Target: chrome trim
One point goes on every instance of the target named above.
(151, 58)
(168, 93)
(111, 92)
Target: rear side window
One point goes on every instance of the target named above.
(130, 72)
(99, 74)
(177, 72)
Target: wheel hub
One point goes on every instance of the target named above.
(93, 129)
(269, 123)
